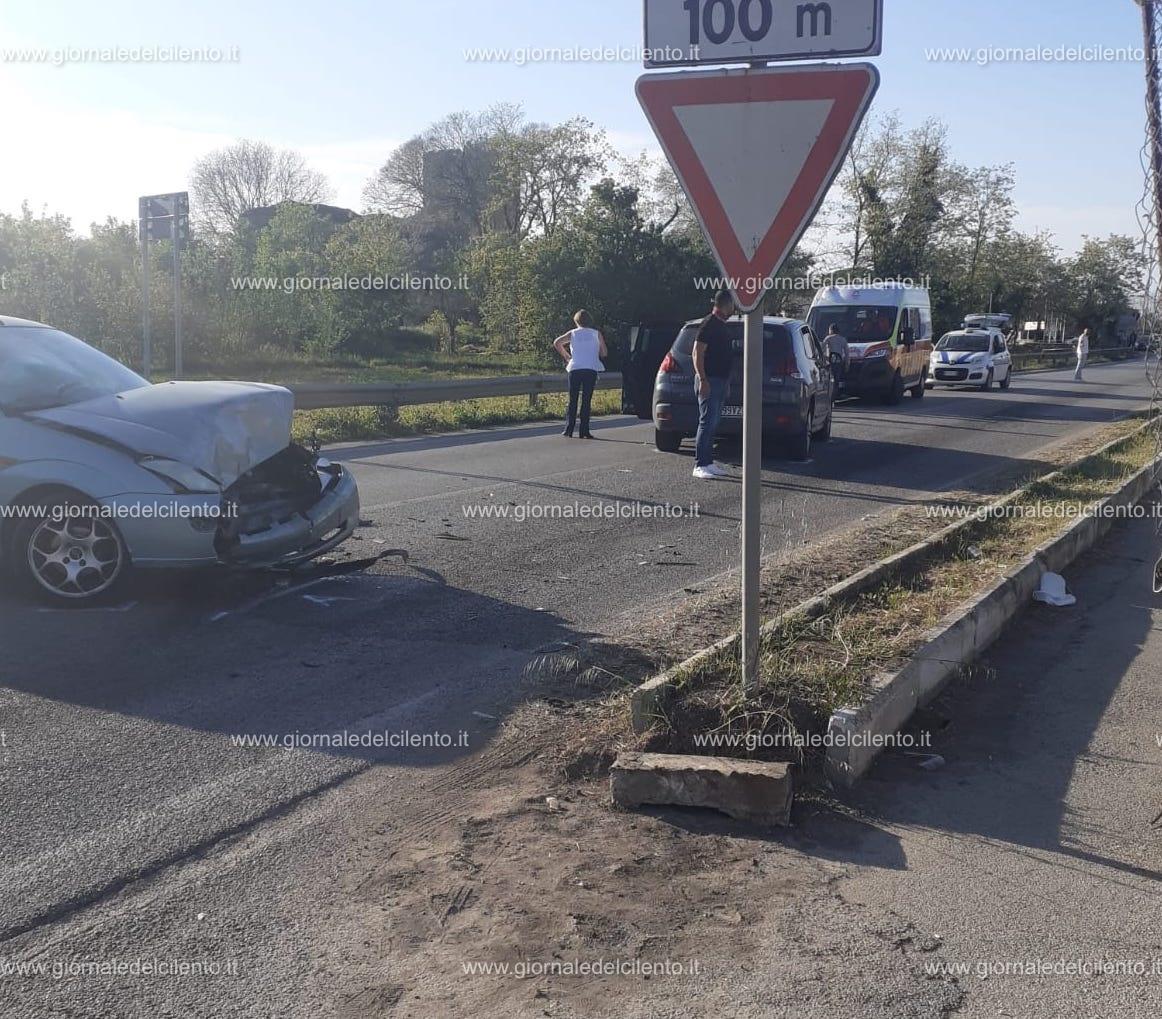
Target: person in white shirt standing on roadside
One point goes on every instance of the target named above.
(1082, 354)
(582, 348)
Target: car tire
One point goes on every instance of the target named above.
(667, 442)
(894, 395)
(987, 385)
(799, 446)
(92, 571)
(824, 433)
(1008, 379)
(917, 390)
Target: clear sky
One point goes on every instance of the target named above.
(345, 81)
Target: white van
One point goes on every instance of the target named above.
(989, 320)
(888, 328)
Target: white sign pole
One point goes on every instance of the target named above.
(755, 152)
(752, 487)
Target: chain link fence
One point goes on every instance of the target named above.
(1149, 212)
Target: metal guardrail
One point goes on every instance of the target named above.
(319, 395)
(1070, 354)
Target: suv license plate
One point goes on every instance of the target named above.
(732, 412)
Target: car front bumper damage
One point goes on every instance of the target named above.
(182, 531)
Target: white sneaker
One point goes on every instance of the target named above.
(705, 474)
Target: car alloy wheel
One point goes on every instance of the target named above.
(74, 558)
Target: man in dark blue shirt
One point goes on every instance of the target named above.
(713, 358)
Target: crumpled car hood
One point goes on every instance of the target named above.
(222, 428)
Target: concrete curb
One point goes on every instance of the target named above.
(960, 638)
(758, 792)
(651, 700)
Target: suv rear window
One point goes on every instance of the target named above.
(776, 341)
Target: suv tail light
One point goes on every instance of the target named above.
(785, 367)
(670, 365)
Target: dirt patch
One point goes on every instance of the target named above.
(540, 899)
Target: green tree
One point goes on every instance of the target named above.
(1106, 274)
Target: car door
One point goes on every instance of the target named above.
(822, 385)
(645, 348)
(917, 356)
(1002, 358)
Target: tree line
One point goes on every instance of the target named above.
(527, 222)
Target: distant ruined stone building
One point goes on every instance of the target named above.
(260, 218)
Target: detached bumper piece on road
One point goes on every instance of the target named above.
(288, 510)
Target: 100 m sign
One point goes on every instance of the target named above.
(717, 19)
(752, 31)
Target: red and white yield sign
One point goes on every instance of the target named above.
(756, 151)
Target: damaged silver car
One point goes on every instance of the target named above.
(102, 472)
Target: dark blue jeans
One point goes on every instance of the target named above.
(709, 414)
(582, 382)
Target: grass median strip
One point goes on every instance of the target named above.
(812, 667)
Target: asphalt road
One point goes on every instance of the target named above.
(1031, 854)
(119, 753)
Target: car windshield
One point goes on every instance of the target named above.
(963, 341)
(42, 368)
(858, 323)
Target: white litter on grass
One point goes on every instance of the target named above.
(1053, 591)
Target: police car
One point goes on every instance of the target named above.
(972, 356)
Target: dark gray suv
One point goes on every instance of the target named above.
(798, 388)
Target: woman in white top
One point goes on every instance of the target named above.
(582, 348)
